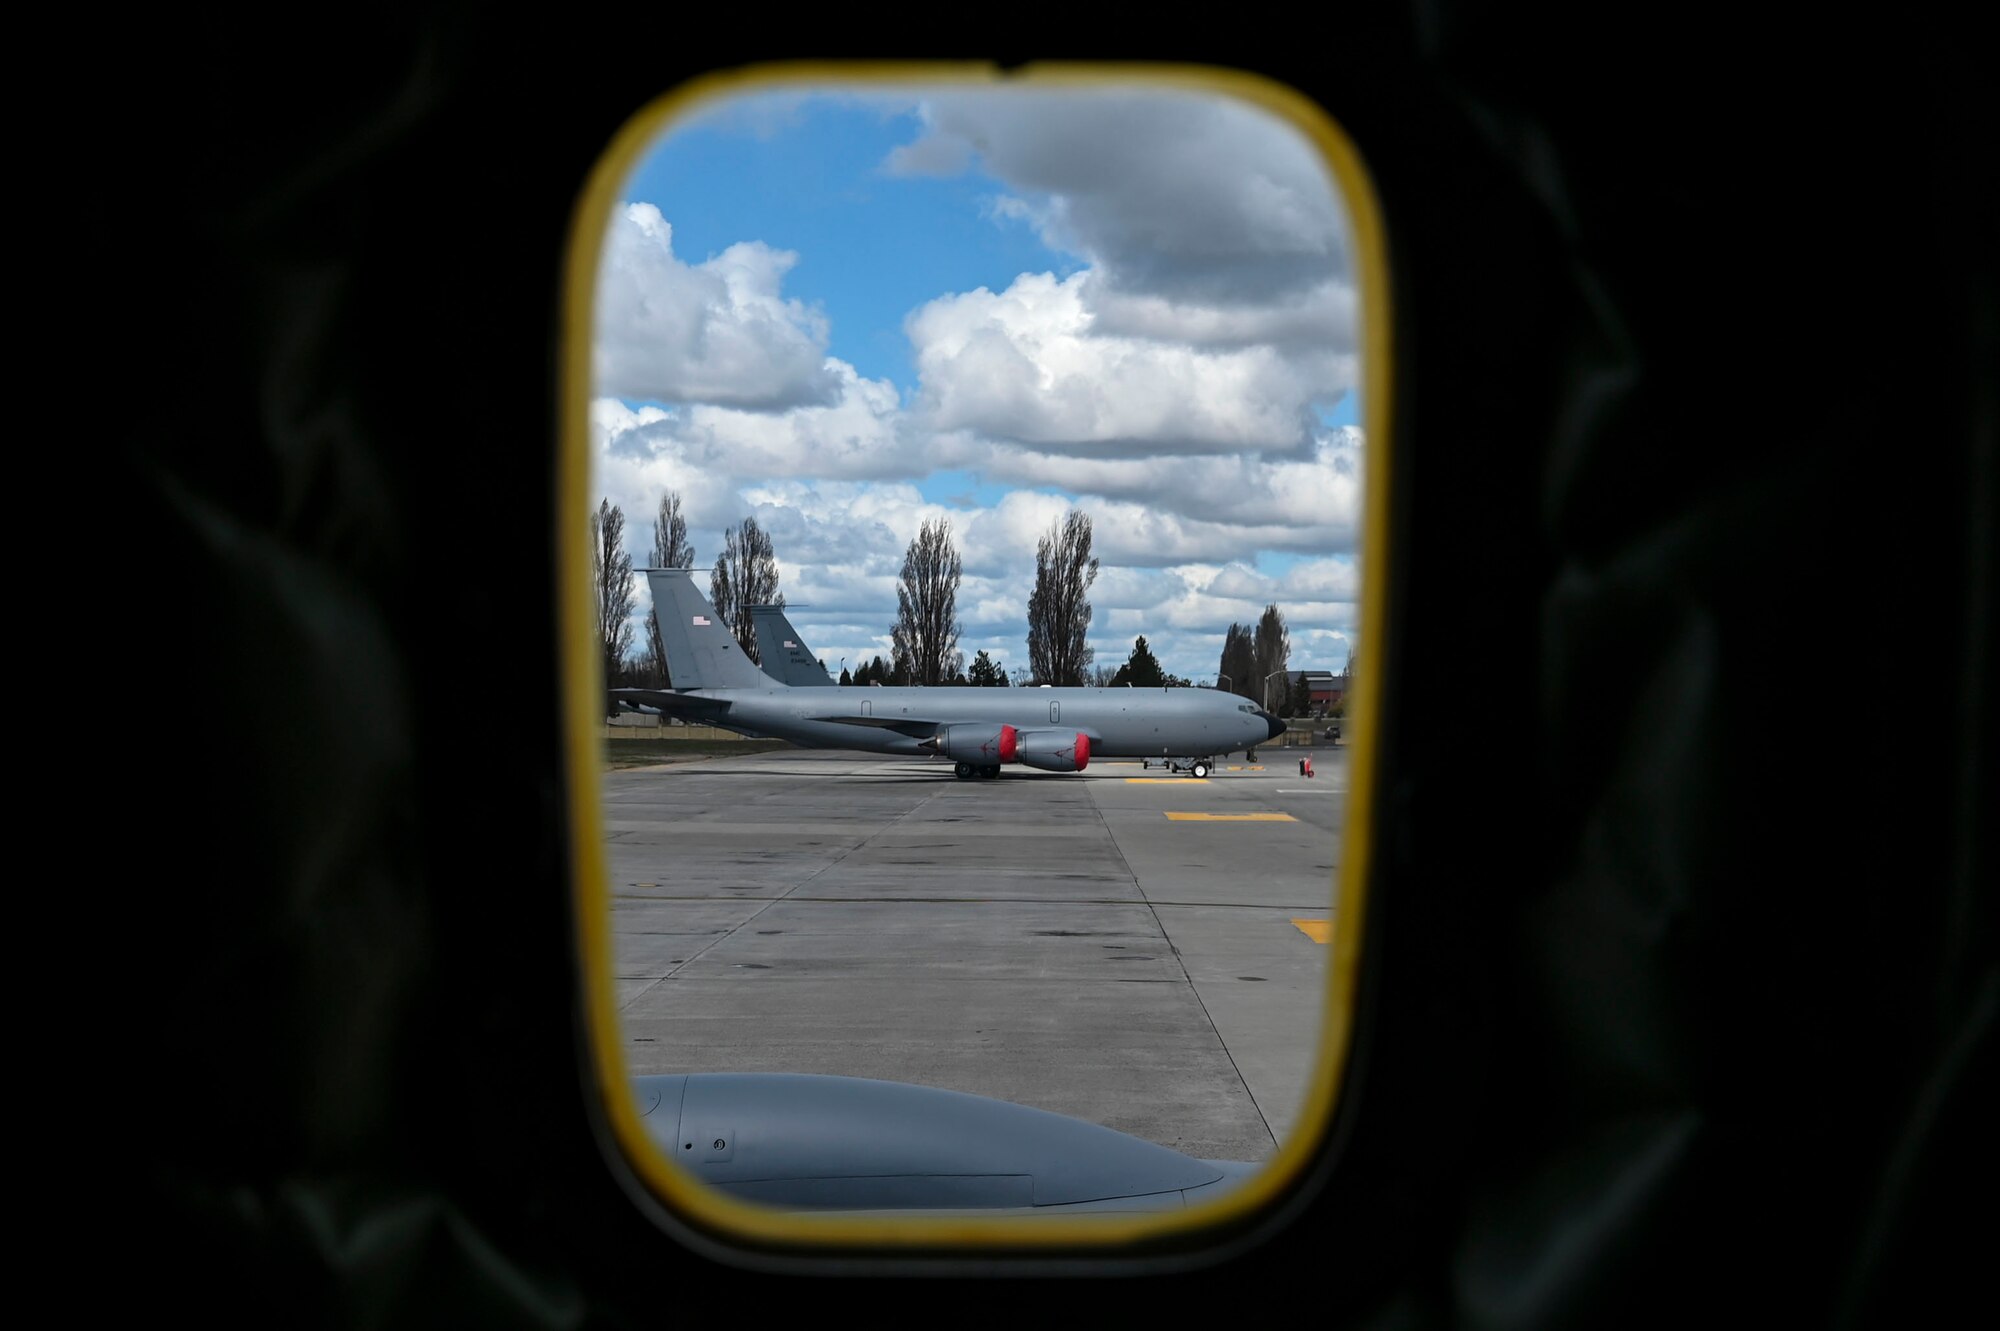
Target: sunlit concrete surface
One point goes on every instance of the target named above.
(1052, 939)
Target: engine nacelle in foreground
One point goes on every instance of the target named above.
(1053, 750)
(983, 746)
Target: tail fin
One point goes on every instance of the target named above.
(783, 654)
(701, 651)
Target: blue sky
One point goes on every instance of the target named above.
(873, 246)
(846, 315)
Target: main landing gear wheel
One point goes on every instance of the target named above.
(989, 773)
(1200, 769)
(964, 771)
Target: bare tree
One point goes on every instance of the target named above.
(1273, 649)
(746, 574)
(1239, 662)
(670, 550)
(926, 632)
(1058, 612)
(611, 577)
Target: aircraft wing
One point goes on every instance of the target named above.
(905, 725)
(668, 702)
(918, 728)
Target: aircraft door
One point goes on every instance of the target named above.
(868, 709)
(1055, 712)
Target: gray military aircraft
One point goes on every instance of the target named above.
(783, 653)
(978, 729)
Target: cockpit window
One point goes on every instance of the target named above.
(892, 395)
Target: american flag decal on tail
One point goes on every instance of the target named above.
(700, 621)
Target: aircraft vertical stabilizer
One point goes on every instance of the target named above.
(701, 651)
(783, 653)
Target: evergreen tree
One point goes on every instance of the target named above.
(1142, 669)
(985, 674)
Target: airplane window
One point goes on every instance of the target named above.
(927, 388)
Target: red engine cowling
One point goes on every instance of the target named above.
(1054, 750)
(986, 746)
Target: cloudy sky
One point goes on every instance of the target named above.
(846, 314)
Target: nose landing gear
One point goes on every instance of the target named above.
(1197, 767)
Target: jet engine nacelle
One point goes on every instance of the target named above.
(985, 746)
(1053, 750)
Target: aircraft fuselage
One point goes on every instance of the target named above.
(1121, 723)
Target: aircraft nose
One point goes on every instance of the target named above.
(1277, 726)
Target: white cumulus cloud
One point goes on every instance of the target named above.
(1028, 365)
(713, 332)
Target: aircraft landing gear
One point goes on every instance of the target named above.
(975, 771)
(963, 771)
(1198, 767)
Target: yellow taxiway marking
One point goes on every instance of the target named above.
(1317, 930)
(1232, 817)
(1183, 780)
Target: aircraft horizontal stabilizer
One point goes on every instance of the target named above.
(669, 702)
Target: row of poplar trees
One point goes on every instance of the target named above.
(925, 637)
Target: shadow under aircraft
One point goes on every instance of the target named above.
(979, 730)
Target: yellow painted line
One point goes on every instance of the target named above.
(1232, 817)
(1185, 782)
(1317, 930)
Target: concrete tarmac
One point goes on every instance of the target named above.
(1127, 946)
